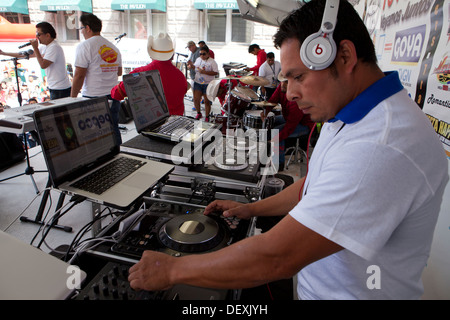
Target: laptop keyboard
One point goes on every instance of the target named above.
(170, 128)
(104, 178)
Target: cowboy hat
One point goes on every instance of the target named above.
(160, 48)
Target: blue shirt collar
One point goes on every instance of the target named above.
(359, 107)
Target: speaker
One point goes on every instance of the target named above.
(11, 150)
(318, 51)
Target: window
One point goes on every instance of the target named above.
(216, 25)
(65, 24)
(227, 26)
(142, 23)
(241, 28)
(16, 17)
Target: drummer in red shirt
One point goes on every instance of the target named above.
(261, 57)
(292, 122)
(161, 50)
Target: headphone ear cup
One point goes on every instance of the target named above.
(318, 52)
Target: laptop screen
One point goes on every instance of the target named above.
(76, 136)
(146, 96)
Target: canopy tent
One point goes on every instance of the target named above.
(16, 32)
(267, 11)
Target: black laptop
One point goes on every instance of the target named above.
(83, 156)
(151, 114)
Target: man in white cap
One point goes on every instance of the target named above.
(161, 49)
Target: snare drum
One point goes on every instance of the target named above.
(252, 120)
(238, 101)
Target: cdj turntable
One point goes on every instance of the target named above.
(238, 159)
(173, 228)
(179, 229)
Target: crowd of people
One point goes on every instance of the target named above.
(32, 87)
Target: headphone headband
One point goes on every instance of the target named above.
(318, 51)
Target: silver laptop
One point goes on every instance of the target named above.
(31, 274)
(83, 157)
(151, 114)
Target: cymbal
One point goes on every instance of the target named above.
(264, 104)
(231, 77)
(241, 73)
(254, 80)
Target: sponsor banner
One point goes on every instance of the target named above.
(413, 38)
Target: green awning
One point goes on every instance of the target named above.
(138, 5)
(18, 6)
(66, 5)
(215, 4)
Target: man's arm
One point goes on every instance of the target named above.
(77, 81)
(277, 254)
(40, 59)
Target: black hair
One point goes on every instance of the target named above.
(307, 20)
(253, 47)
(91, 20)
(205, 48)
(270, 55)
(47, 28)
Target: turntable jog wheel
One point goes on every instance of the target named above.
(191, 233)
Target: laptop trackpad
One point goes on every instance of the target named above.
(141, 181)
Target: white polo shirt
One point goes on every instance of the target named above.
(374, 186)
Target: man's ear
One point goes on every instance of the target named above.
(346, 56)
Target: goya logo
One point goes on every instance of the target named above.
(408, 45)
(107, 54)
(94, 122)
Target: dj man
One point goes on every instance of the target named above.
(370, 201)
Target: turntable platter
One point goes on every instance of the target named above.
(230, 162)
(191, 233)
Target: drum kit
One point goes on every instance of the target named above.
(243, 106)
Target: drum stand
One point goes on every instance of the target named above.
(229, 115)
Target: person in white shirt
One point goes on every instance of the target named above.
(51, 58)
(98, 64)
(206, 70)
(270, 70)
(361, 224)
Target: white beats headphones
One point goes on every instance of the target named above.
(318, 51)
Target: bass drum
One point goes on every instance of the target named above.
(238, 103)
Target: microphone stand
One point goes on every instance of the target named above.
(29, 170)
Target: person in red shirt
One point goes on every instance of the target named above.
(261, 57)
(161, 50)
(292, 122)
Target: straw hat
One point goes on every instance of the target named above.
(160, 48)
